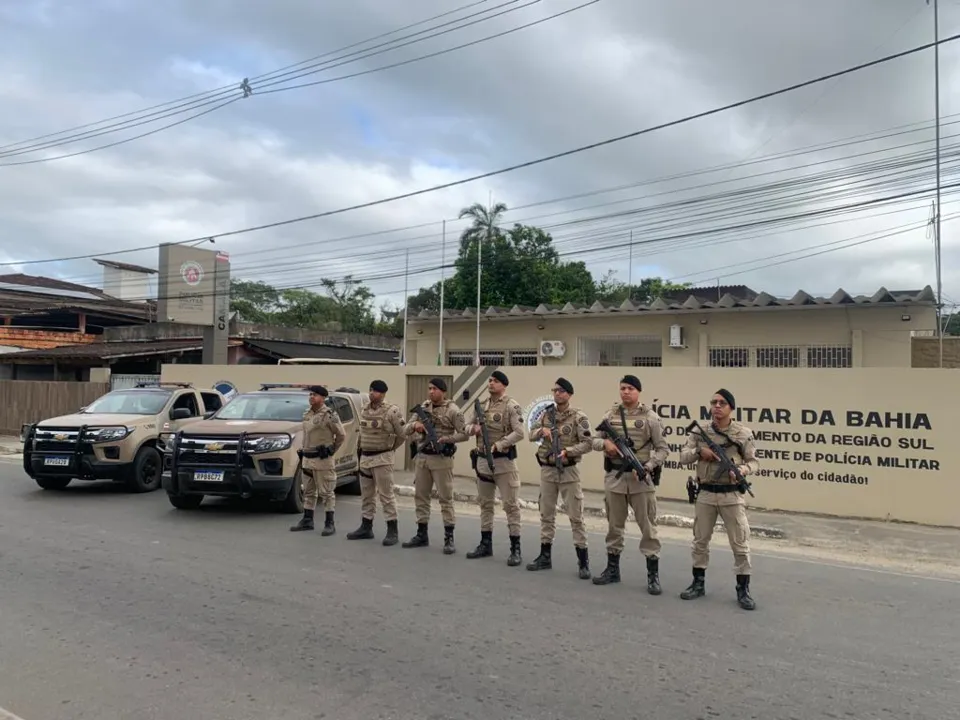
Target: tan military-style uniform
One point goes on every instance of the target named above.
(321, 427)
(573, 428)
(719, 496)
(504, 419)
(432, 469)
(381, 433)
(643, 426)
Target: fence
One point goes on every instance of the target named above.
(118, 382)
(31, 401)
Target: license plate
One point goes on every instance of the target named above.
(208, 476)
(56, 461)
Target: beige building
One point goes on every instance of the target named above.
(721, 326)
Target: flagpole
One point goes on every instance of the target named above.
(443, 272)
(936, 102)
(406, 304)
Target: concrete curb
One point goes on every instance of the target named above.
(669, 519)
(9, 450)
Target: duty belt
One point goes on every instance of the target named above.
(714, 488)
(369, 453)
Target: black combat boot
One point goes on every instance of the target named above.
(653, 576)
(743, 593)
(515, 557)
(485, 548)
(583, 563)
(328, 526)
(364, 532)
(695, 588)
(421, 539)
(611, 573)
(448, 547)
(543, 561)
(392, 537)
(306, 522)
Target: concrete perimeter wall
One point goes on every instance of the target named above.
(869, 442)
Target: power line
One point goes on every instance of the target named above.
(249, 91)
(225, 90)
(529, 163)
(888, 173)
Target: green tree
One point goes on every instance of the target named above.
(609, 289)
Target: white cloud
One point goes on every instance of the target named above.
(603, 71)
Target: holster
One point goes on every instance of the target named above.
(321, 452)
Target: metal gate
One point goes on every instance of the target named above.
(118, 382)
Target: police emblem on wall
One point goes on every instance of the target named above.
(535, 410)
(226, 388)
(192, 273)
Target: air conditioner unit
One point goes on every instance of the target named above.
(676, 336)
(552, 349)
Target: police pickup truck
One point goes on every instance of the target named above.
(114, 437)
(249, 448)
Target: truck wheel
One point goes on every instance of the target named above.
(185, 502)
(53, 483)
(145, 476)
(292, 504)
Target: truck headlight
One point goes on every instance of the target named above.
(270, 444)
(106, 434)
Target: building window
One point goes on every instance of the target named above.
(778, 357)
(829, 356)
(729, 357)
(523, 358)
(621, 351)
(459, 358)
(465, 357)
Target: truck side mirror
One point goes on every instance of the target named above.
(179, 414)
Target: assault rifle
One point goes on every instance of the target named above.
(481, 420)
(555, 440)
(431, 431)
(623, 445)
(726, 465)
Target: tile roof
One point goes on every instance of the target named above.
(693, 302)
(315, 351)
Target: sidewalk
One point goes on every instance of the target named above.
(672, 513)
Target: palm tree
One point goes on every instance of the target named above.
(485, 226)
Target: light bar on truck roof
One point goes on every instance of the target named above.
(162, 384)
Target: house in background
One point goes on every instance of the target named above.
(135, 353)
(41, 313)
(127, 282)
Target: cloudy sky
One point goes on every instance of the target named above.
(742, 196)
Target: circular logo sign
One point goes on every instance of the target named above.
(534, 411)
(192, 273)
(225, 388)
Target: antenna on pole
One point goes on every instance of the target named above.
(630, 271)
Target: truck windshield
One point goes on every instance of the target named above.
(130, 402)
(273, 406)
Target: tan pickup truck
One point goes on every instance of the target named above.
(114, 437)
(249, 448)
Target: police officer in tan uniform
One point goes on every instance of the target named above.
(504, 421)
(381, 433)
(572, 427)
(641, 426)
(721, 496)
(323, 435)
(434, 465)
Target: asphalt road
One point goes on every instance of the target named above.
(117, 606)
